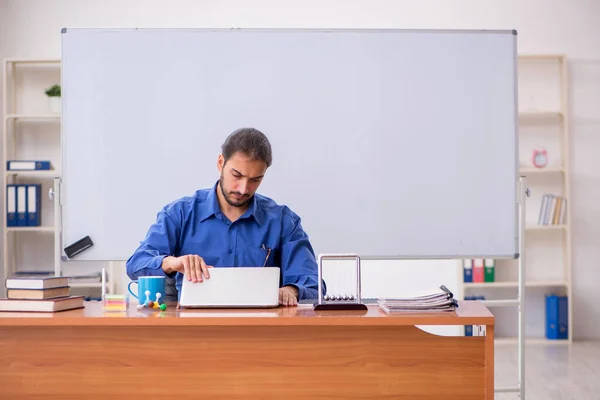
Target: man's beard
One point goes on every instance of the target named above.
(229, 200)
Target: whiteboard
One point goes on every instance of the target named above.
(387, 143)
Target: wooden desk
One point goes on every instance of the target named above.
(283, 353)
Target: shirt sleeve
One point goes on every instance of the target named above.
(298, 261)
(160, 242)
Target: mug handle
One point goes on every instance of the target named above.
(129, 289)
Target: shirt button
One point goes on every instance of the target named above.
(229, 251)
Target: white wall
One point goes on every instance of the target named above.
(31, 29)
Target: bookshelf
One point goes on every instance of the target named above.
(543, 124)
(31, 130)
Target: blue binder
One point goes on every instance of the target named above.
(467, 271)
(34, 203)
(557, 318)
(11, 205)
(27, 165)
(21, 205)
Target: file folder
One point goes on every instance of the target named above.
(11, 205)
(489, 268)
(21, 205)
(34, 204)
(557, 318)
(467, 270)
(27, 165)
(478, 270)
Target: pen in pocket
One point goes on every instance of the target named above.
(268, 254)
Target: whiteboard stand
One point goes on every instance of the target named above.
(339, 301)
(54, 194)
(520, 301)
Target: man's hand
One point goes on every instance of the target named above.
(192, 266)
(288, 296)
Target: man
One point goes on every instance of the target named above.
(231, 225)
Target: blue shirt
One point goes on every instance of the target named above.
(196, 225)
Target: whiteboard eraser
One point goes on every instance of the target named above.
(78, 247)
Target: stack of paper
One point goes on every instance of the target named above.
(435, 302)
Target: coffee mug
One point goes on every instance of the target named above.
(152, 284)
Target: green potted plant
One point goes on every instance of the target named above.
(54, 99)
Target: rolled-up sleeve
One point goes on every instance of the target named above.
(298, 261)
(160, 242)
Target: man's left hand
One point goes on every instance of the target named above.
(288, 296)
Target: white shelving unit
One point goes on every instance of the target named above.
(543, 122)
(31, 131)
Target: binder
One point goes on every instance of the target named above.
(34, 204)
(468, 270)
(549, 207)
(21, 205)
(468, 330)
(27, 165)
(11, 205)
(542, 213)
(557, 210)
(489, 269)
(478, 270)
(557, 318)
(561, 217)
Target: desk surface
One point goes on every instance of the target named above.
(468, 313)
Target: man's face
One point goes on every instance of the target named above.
(240, 178)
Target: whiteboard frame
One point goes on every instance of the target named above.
(513, 32)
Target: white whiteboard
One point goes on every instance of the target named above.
(387, 143)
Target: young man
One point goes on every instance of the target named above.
(229, 225)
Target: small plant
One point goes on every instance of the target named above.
(53, 91)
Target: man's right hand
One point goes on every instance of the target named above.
(192, 266)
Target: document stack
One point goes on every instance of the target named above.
(436, 302)
(41, 294)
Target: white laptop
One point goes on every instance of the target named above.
(235, 287)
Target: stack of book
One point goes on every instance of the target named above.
(41, 294)
(442, 301)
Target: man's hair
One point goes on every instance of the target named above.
(250, 141)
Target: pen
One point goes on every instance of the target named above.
(268, 254)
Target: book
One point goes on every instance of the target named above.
(37, 282)
(38, 293)
(442, 301)
(47, 305)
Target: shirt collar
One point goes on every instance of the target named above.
(211, 207)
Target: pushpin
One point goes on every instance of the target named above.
(156, 303)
